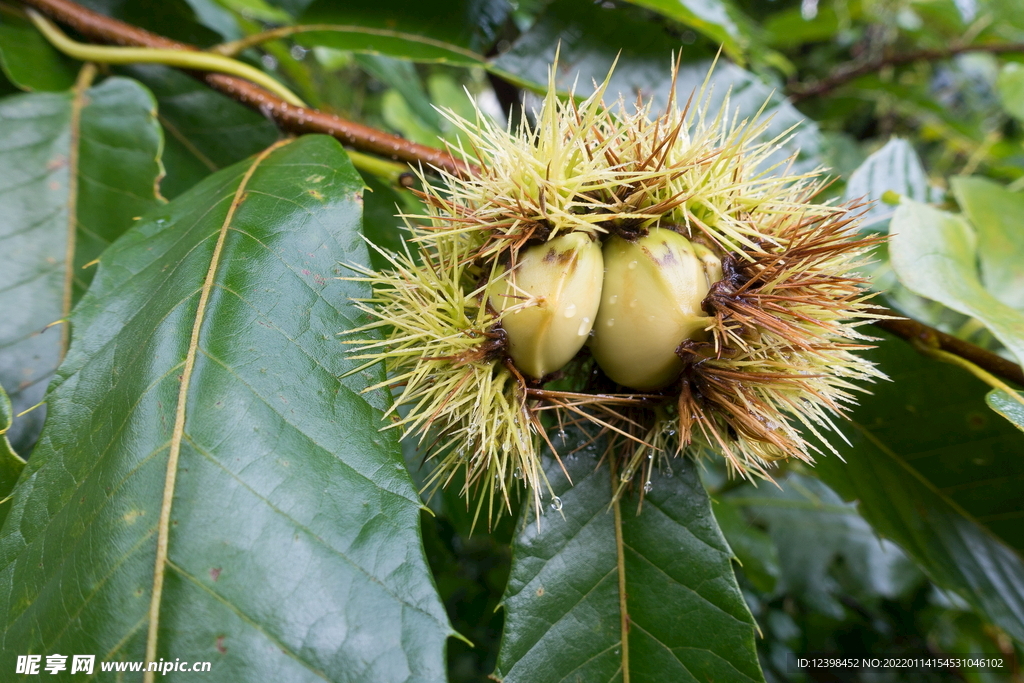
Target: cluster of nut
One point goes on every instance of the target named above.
(633, 300)
(699, 274)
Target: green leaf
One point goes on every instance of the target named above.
(933, 470)
(1004, 404)
(204, 131)
(28, 59)
(713, 18)
(752, 547)
(257, 10)
(789, 28)
(453, 32)
(76, 169)
(170, 18)
(934, 253)
(401, 75)
(381, 224)
(589, 39)
(199, 427)
(6, 87)
(11, 464)
(812, 529)
(1011, 89)
(292, 7)
(998, 218)
(893, 168)
(687, 620)
(214, 16)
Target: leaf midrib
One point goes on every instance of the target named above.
(620, 562)
(388, 33)
(178, 432)
(78, 104)
(902, 463)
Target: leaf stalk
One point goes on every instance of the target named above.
(184, 59)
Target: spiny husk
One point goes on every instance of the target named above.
(775, 361)
(781, 363)
(444, 350)
(586, 167)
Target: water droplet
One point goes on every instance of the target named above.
(611, 322)
(626, 475)
(632, 303)
(647, 487)
(518, 474)
(562, 435)
(298, 52)
(650, 454)
(584, 327)
(669, 473)
(556, 504)
(570, 311)
(613, 298)
(632, 265)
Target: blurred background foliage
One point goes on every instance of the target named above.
(900, 97)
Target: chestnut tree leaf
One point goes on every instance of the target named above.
(936, 472)
(76, 169)
(714, 18)
(453, 32)
(1011, 89)
(668, 567)
(11, 464)
(29, 60)
(1007, 406)
(589, 39)
(753, 547)
(894, 168)
(812, 528)
(210, 485)
(997, 215)
(934, 254)
(170, 18)
(204, 130)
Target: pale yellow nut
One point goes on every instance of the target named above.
(650, 304)
(556, 290)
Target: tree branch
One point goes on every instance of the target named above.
(303, 120)
(287, 116)
(852, 70)
(919, 333)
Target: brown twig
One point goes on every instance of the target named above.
(302, 120)
(288, 117)
(913, 331)
(848, 72)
